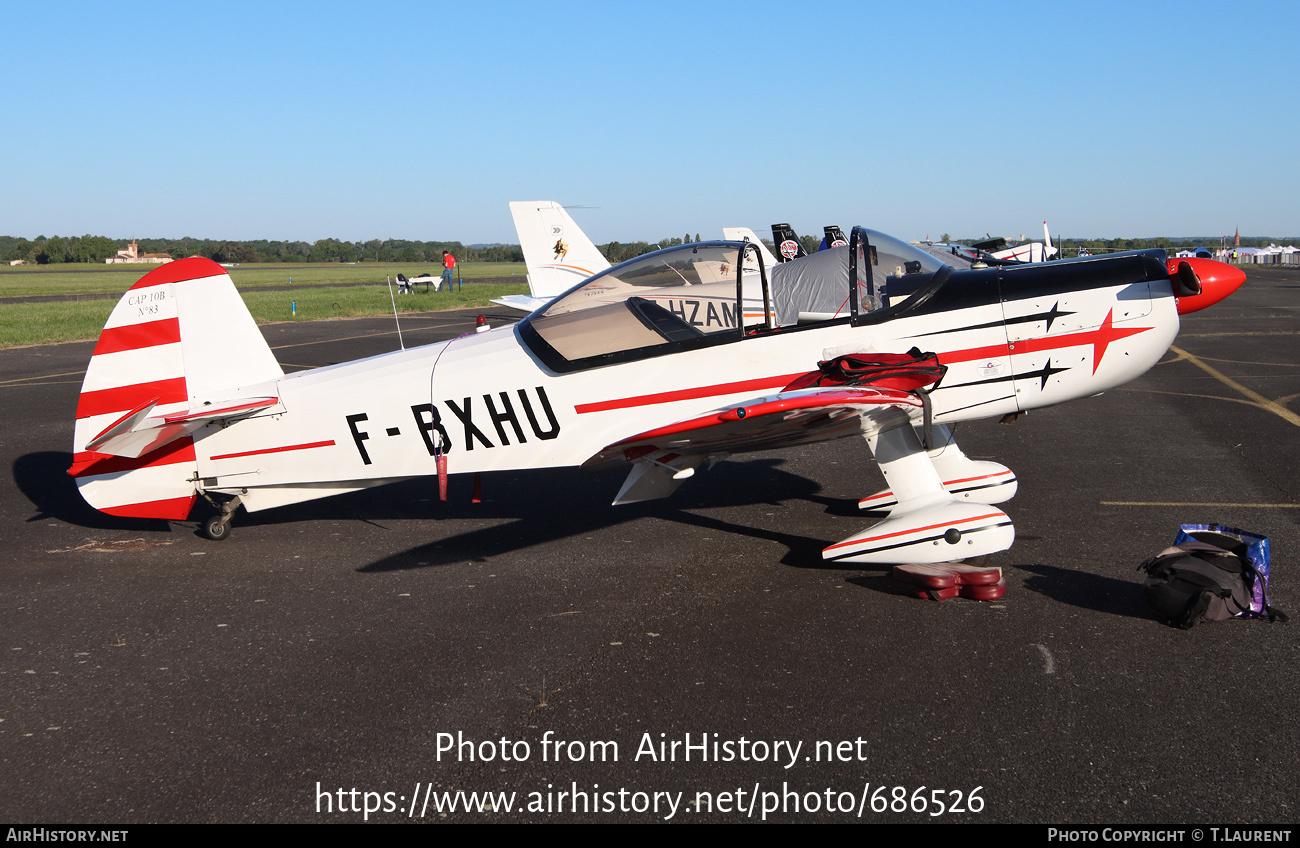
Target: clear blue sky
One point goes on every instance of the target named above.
(421, 120)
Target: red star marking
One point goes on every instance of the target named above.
(1099, 338)
(1106, 334)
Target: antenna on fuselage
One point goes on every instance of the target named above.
(395, 321)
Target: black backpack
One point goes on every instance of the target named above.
(1207, 577)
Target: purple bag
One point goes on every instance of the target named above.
(1251, 547)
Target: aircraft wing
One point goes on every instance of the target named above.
(664, 457)
(789, 418)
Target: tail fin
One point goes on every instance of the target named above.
(746, 234)
(834, 238)
(1048, 250)
(178, 340)
(557, 253)
(788, 245)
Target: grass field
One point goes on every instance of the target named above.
(24, 324)
(80, 278)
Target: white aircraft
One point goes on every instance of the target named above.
(999, 250)
(183, 399)
(557, 253)
(1030, 251)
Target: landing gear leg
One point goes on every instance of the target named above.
(927, 522)
(217, 527)
(966, 479)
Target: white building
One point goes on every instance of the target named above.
(131, 254)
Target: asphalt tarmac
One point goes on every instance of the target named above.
(389, 651)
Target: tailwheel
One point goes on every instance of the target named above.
(217, 527)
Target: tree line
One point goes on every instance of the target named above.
(95, 249)
(1170, 244)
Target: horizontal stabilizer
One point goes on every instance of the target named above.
(522, 302)
(136, 433)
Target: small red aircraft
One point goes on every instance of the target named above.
(653, 365)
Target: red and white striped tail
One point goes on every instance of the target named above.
(178, 336)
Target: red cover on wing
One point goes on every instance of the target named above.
(902, 371)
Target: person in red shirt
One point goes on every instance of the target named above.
(448, 263)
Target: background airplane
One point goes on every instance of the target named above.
(791, 247)
(834, 237)
(1032, 251)
(557, 253)
(993, 251)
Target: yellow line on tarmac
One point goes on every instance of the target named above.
(330, 341)
(41, 377)
(1188, 394)
(1243, 333)
(1251, 362)
(1178, 503)
(1272, 406)
(406, 330)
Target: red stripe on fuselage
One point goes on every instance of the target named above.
(687, 394)
(122, 398)
(137, 336)
(1099, 338)
(306, 446)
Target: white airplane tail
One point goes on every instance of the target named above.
(746, 234)
(558, 254)
(180, 351)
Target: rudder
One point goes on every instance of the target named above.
(177, 336)
(558, 254)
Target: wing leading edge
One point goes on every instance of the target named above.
(664, 457)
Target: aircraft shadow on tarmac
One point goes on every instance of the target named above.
(583, 506)
(43, 478)
(1063, 585)
(537, 507)
(534, 515)
(1088, 591)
